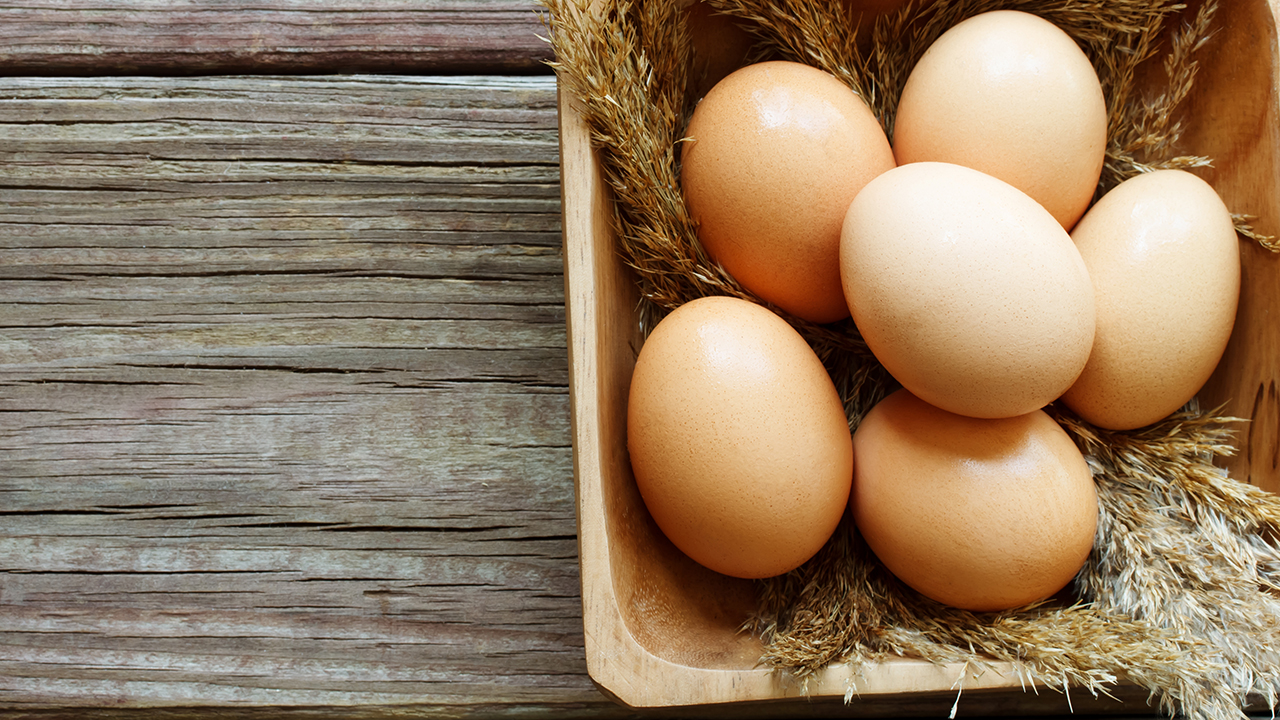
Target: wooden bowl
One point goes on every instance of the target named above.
(661, 630)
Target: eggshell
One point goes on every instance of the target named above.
(738, 440)
(1012, 95)
(1165, 261)
(979, 514)
(967, 291)
(775, 153)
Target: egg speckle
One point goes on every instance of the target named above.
(1162, 251)
(979, 514)
(775, 153)
(1012, 95)
(967, 291)
(738, 440)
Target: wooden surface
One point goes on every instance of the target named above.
(283, 414)
(93, 37)
(284, 407)
(283, 377)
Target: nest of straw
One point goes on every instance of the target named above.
(1181, 594)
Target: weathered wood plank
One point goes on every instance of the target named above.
(283, 397)
(207, 36)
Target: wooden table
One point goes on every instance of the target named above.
(283, 380)
(284, 425)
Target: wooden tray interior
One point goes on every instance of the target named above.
(662, 630)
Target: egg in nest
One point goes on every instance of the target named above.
(979, 514)
(738, 440)
(773, 156)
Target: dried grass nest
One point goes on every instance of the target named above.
(1180, 593)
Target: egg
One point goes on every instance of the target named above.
(1012, 95)
(737, 438)
(968, 292)
(773, 155)
(1165, 261)
(979, 514)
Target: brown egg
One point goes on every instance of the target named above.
(777, 150)
(968, 292)
(1012, 95)
(739, 442)
(1165, 261)
(975, 513)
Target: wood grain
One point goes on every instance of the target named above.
(283, 396)
(1242, 135)
(89, 37)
